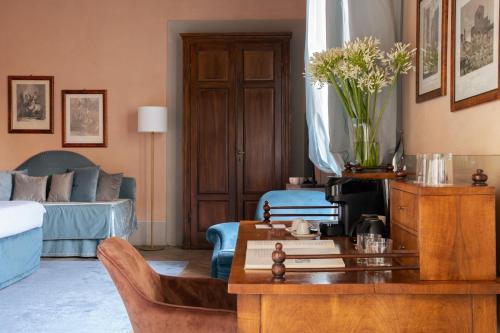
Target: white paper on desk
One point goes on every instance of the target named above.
(278, 226)
(262, 226)
(258, 254)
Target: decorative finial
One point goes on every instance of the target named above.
(267, 213)
(278, 268)
(479, 178)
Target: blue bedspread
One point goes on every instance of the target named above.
(96, 220)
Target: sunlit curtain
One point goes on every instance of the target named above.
(329, 24)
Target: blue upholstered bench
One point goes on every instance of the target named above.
(223, 236)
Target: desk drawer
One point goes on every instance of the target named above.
(403, 209)
(404, 240)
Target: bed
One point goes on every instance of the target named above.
(20, 239)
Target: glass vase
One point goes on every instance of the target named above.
(365, 144)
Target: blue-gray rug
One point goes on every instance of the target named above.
(69, 296)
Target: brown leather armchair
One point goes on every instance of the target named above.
(159, 303)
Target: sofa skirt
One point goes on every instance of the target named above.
(19, 256)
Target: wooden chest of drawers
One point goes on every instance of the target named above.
(452, 227)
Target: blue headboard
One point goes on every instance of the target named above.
(59, 161)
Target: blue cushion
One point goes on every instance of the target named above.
(85, 184)
(6, 184)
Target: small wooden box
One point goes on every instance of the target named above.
(452, 227)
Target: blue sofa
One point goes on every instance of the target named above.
(223, 236)
(75, 229)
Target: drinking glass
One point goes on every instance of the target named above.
(436, 169)
(380, 245)
(421, 167)
(361, 241)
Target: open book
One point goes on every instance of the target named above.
(258, 254)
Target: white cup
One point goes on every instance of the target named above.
(303, 228)
(296, 222)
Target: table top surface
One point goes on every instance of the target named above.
(243, 281)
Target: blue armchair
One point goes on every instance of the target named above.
(223, 236)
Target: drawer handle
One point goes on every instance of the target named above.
(402, 247)
(402, 207)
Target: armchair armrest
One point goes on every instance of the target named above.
(223, 236)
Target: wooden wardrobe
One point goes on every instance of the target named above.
(236, 93)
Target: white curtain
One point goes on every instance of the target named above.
(317, 100)
(330, 23)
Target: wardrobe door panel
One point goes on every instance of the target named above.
(258, 140)
(213, 65)
(209, 211)
(258, 65)
(213, 136)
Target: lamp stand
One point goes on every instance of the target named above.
(152, 247)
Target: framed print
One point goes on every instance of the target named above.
(84, 118)
(30, 104)
(432, 34)
(475, 65)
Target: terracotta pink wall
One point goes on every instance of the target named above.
(118, 45)
(431, 127)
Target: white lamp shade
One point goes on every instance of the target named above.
(152, 119)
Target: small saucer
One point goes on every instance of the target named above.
(307, 236)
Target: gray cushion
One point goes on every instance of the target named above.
(85, 184)
(108, 187)
(29, 188)
(6, 178)
(60, 187)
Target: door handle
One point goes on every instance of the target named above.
(241, 153)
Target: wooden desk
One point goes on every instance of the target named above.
(395, 301)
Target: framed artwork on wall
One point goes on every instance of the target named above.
(30, 104)
(432, 36)
(84, 118)
(475, 60)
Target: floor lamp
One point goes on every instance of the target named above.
(152, 119)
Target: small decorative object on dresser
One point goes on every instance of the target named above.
(84, 118)
(432, 34)
(30, 104)
(474, 58)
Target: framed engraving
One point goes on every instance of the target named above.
(432, 35)
(30, 104)
(475, 62)
(84, 118)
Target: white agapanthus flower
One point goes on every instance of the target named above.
(359, 72)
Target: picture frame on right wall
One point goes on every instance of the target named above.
(432, 36)
(475, 65)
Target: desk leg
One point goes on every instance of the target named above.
(484, 313)
(248, 313)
